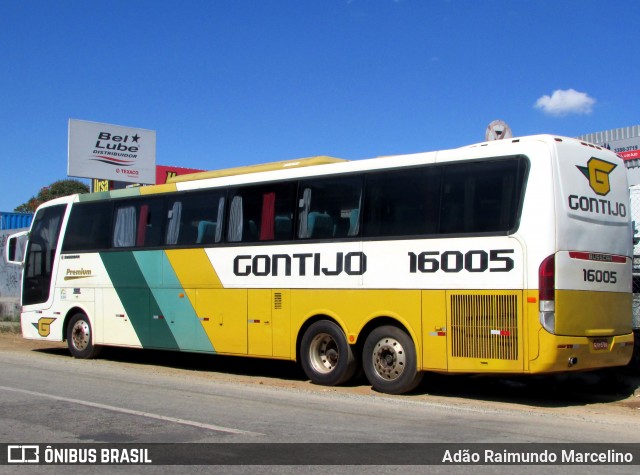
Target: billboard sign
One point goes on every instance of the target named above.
(163, 172)
(111, 152)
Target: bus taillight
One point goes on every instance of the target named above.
(546, 292)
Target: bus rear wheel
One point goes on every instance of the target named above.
(80, 337)
(390, 362)
(325, 355)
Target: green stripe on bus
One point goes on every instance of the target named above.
(175, 306)
(105, 195)
(138, 301)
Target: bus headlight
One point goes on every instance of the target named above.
(548, 315)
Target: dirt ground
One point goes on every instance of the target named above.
(612, 392)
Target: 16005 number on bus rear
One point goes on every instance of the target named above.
(599, 276)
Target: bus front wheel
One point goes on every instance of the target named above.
(80, 337)
(389, 361)
(325, 355)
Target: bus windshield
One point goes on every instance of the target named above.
(40, 255)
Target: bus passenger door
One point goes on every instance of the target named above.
(223, 313)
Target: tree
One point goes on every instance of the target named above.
(55, 190)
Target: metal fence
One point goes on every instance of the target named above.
(635, 213)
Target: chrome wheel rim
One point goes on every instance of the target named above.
(389, 359)
(81, 335)
(323, 353)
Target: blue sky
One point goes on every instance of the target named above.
(236, 82)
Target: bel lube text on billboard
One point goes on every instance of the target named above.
(111, 152)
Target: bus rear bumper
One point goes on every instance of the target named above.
(564, 353)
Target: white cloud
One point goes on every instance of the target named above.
(563, 102)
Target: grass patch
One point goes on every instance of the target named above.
(10, 327)
(10, 318)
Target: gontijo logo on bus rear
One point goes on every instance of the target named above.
(597, 172)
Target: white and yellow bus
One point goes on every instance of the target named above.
(511, 256)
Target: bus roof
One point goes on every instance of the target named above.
(262, 167)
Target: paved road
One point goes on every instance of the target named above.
(47, 396)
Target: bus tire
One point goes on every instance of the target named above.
(389, 361)
(80, 337)
(325, 355)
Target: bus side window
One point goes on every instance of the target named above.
(195, 218)
(89, 227)
(262, 213)
(482, 197)
(403, 202)
(330, 208)
(138, 223)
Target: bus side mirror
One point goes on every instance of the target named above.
(14, 250)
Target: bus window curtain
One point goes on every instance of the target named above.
(354, 219)
(124, 234)
(142, 225)
(267, 221)
(303, 215)
(173, 229)
(234, 233)
(219, 219)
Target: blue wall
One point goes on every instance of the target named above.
(15, 220)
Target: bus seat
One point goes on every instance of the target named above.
(206, 232)
(283, 227)
(354, 228)
(341, 227)
(250, 231)
(320, 225)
